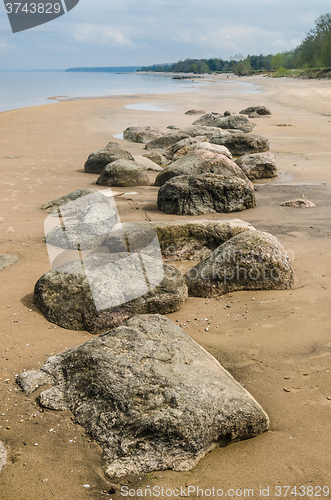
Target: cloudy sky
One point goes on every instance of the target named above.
(131, 32)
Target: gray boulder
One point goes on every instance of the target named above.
(157, 158)
(147, 163)
(207, 146)
(242, 144)
(7, 260)
(181, 240)
(104, 290)
(252, 260)
(165, 141)
(203, 194)
(151, 397)
(172, 150)
(231, 121)
(82, 224)
(195, 112)
(209, 132)
(258, 166)
(142, 134)
(62, 200)
(259, 110)
(3, 456)
(97, 160)
(298, 203)
(200, 162)
(123, 173)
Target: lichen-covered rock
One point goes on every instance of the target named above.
(298, 203)
(123, 173)
(148, 164)
(258, 166)
(151, 397)
(242, 144)
(157, 157)
(259, 110)
(207, 131)
(172, 150)
(231, 121)
(7, 260)
(62, 200)
(84, 223)
(165, 141)
(200, 162)
(97, 160)
(142, 134)
(104, 290)
(203, 194)
(252, 260)
(207, 146)
(182, 239)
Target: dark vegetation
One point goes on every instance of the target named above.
(312, 58)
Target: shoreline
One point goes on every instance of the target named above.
(281, 353)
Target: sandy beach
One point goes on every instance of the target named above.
(280, 349)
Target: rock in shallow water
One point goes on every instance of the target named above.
(252, 260)
(151, 397)
(203, 194)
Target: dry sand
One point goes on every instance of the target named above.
(276, 343)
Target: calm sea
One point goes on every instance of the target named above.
(19, 89)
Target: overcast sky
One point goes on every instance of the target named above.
(143, 32)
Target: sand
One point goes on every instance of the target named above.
(276, 343)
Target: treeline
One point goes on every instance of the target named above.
(313, 52)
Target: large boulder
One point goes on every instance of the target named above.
(252, 260)
(181, 239)
(150, 396)
(124, 173)
(207, 146)
(66, 198)
(172, 150)
(200, 162)
(148, 164)
(165, 141)
(203, 194)
(97, 160)
(142, 134)
(259, 110)
(231, 121)
(242, 144)
(82, 224)
(209, 132)
(258, 166)
(157, 157)
(103, 290)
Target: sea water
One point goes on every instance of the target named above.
(19, 89)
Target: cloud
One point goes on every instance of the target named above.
(95, 34)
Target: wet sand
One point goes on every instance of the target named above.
(276, 343)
